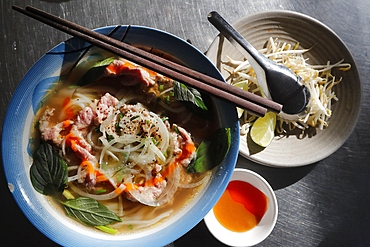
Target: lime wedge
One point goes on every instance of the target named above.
(240, 112)
(263, 129)
(243, 85)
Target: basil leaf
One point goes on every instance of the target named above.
(211, 151)
(48, 172)
(192, 100)
(90, 212)
(94, 72)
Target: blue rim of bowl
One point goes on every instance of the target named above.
(31, 89)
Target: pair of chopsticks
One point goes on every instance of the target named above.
(252, 103)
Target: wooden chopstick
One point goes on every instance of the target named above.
(252, 103)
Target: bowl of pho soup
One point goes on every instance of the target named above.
(112, 153)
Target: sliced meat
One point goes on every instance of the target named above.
(104, 105)
(85, 118)
(128, 74)
(157, 168)
(184, 147)
(146, 194)
(82, 150)
(77, 129)
(50, 133)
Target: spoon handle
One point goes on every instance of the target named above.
(256, 59)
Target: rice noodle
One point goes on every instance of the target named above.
(144, 223)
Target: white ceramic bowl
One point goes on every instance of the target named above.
(17, 160)
(325, 45)
(258, 233)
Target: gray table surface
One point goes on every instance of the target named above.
(323, 204)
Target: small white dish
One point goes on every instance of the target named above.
(258, 233)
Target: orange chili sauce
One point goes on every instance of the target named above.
(241, 207)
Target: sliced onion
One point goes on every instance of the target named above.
(148, 173)
(71, 168)
(104, 197)
(73, 178)
(157, 152)
(144, 223)
(165, 135)
(193, 185)
(166, 195)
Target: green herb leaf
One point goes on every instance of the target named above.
(90, 212)
(211, 151)
(191, 99)
(94, 72)
(48, 172)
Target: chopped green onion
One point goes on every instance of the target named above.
(100, 191)
(110, 137)
(119, 178)
(167, 99)
(68, 195)
(172, 93)
(37, 125)
(161, 87)
(104, 166)
(165, 119)
(107, 229)
(155, 141)
(130, 227)
(177, 130)
(134, 117)
(118, 129)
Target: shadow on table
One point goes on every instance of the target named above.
(277, 177)
(198, 236)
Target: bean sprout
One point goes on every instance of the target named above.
(317, 78)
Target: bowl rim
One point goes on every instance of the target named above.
(28, 201)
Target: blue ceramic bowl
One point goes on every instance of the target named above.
(16, 133)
